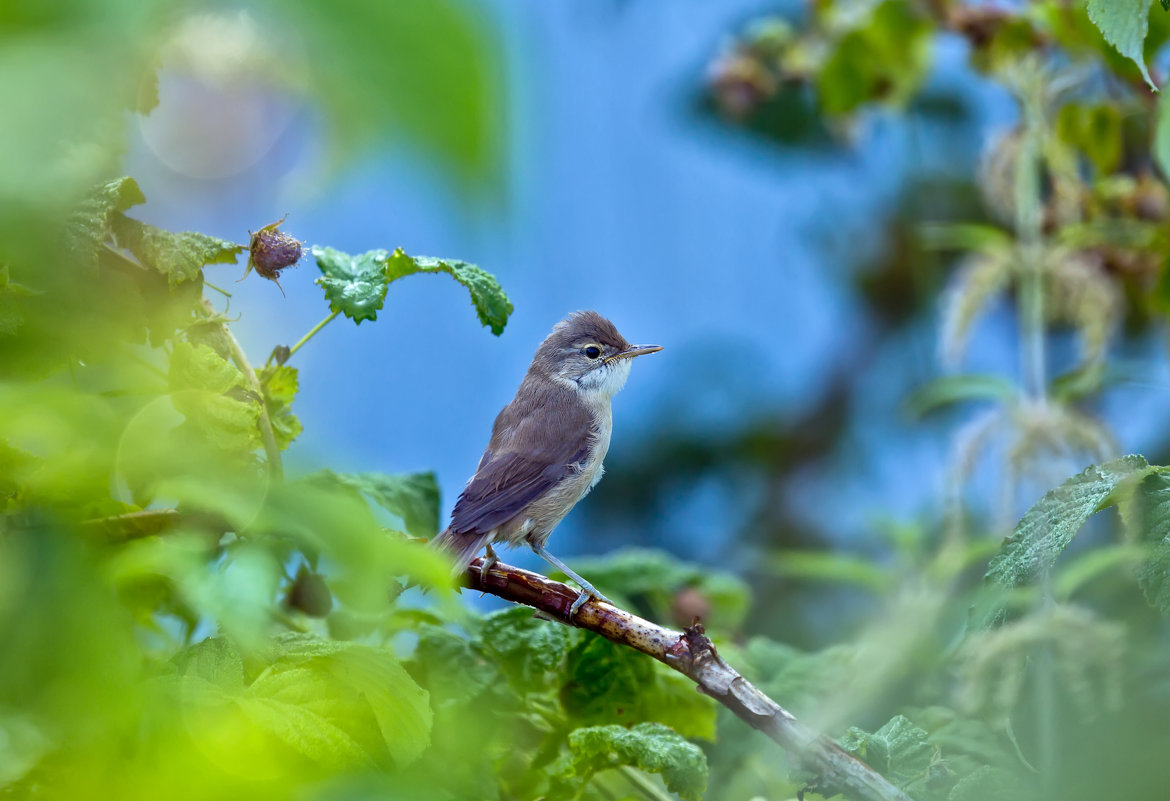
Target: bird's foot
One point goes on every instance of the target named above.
(585, 594)
(489, 561)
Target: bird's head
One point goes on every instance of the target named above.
(587, 350)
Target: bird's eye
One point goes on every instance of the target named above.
(592, 351)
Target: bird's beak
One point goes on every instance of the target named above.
(635, 350)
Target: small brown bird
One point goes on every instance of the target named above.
(547, 445)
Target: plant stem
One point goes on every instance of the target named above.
(267, 437)
(1029, 221)
(223, 292)
(312, 333)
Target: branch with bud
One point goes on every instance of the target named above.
(692, 653)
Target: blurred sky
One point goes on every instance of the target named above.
(733, 253)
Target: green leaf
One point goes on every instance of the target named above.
(1095, 130)
(987, 782)
(354, 285)
(201, 367)
(898, 750)
(1161, 143)
(91, 224)
(607, 682)
(491, 304)
(884, 60)
(11, 293)
(832, 566)
(214, 660)
(321, 697)
(804, 680)
(414, 497)
(201, 381)
(1050, 525)
(525, 647)
(952, 389)
(1147, 515)
(15, 465)
(280, 388)
(435, 67)
(1124, 23)
(651, 747)
(451, 666)
(965, 236)
(180, 257)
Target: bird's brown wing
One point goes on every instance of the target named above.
(520, 468)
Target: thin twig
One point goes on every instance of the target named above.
(691, 653)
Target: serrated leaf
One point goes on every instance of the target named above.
(524, 647)
(414, 497)
(354, 285)
(1050, 525)
(333, 678)
(280, 388)
(651, 747)
(1147, 515)
(898, 750)
(90, 225)
(199, 380)
(491, 304)
(607, 682)
(178, 256)
(201, 367)
(452, 667)
(214, 660)
(1124, 24)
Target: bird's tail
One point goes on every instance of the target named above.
(461, 548)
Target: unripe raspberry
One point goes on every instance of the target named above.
(272, 250)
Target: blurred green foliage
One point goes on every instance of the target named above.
(179, 617)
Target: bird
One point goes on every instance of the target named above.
(547, 447)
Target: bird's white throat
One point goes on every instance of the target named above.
(605, 382)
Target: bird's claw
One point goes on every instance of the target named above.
(584, 596)
(489, 561)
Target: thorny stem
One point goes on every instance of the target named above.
(267, 437)
(301, 342)
(692, 654)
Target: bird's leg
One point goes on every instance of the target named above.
(489, 561)
(587, 590)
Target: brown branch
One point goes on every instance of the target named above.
(691, 653)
